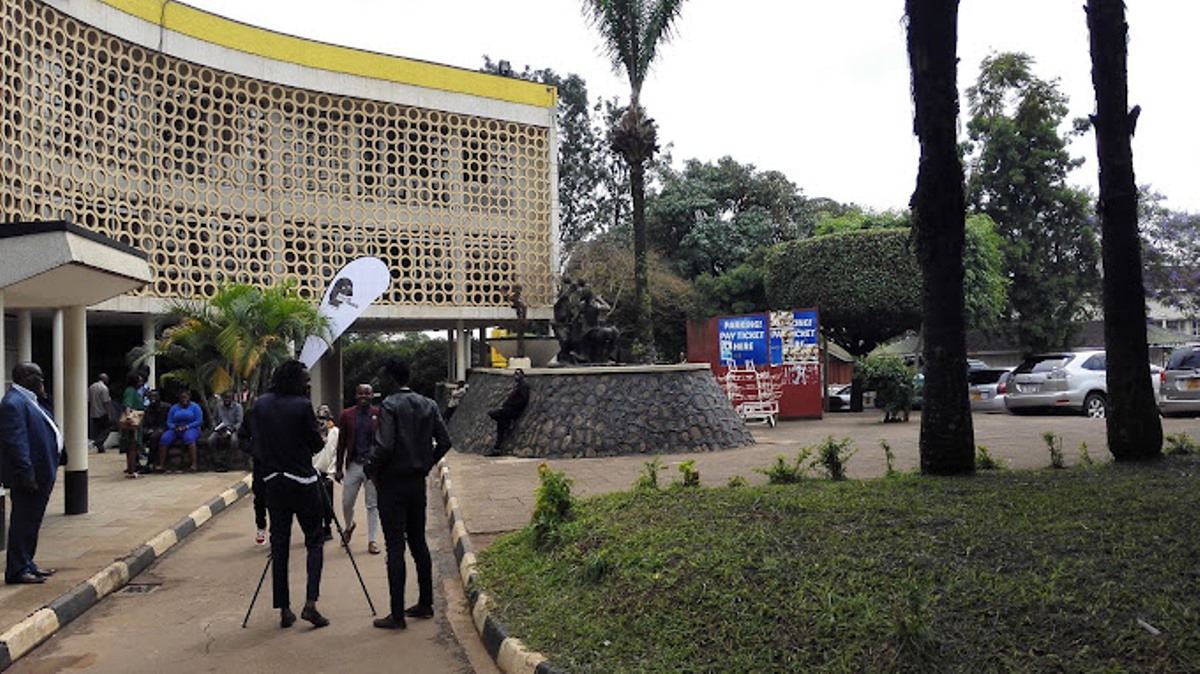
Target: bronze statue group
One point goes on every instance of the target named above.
(580, 327)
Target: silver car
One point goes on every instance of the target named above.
(1069, 380)
(987, 389)
(1179, 392)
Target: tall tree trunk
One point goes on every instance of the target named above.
(939, 226)
(641, 278)
(1134, 428)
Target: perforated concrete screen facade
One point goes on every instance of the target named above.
(230, 153)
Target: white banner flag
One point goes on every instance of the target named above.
(353, 289)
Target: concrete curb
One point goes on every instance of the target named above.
(509, 652)
(41, 624)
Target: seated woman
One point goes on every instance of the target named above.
(183, 423)
(154, 422)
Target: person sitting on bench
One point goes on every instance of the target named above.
(183, 423)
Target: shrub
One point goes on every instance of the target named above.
(736, 482)
(1054, 445)
(648, 480)
(890, 456)
(832, 455)
(892, 382)
(690, 476)
(553, 506)
(1084, 457)
(1181, 444)
(782, 472)
(985, 461)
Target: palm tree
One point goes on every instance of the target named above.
(235, 339)
(1134, 429)
(939, 228)
(632, 31)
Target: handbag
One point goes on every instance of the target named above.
(131, 419)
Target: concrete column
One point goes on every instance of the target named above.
(4, 374)
(337, 384)
(327, 381)
(56, 366)
(24, 336)
(5, 366)
(148, 339)
(451, 354)
(317, 390)
(74, 417)
(462, 359)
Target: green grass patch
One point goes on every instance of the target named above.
(1009, 571)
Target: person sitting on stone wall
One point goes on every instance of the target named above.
(508, 411)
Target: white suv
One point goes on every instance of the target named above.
(1071, 380)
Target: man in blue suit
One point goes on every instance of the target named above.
(31, 444)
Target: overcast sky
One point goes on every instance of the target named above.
(816, 90)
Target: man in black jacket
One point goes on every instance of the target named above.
(508, 411)
(410, 440)
(286, 436)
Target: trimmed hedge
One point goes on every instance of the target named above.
(866, 284)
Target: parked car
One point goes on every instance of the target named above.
(1179, 391)
(839, 398)
(1070, 380)
(987, 389)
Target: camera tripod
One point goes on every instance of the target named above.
(325, 502)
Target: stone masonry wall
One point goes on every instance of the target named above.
(603, 411)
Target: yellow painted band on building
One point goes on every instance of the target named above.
(242, 37)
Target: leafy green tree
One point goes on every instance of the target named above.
(363, 357)
(1134, 429)
(1172, 268)
(1018, 164)
(939, 229)
(587, 192)
(631, 31)
(606, 263)
(236, 339)
(738, 291)
(709, 218)
(984, 285)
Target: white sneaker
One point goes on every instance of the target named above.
(260, 538)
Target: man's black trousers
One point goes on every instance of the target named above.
(287, 498)
(402, 514)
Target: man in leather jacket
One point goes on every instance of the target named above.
(410, 440)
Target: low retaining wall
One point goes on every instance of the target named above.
(602, 411)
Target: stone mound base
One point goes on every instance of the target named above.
(602, 411)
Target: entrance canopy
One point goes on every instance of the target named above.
(58, 264)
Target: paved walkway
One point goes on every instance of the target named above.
(122, 516)
(494, 495)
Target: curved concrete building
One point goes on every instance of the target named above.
(216, 152)
(227, 152)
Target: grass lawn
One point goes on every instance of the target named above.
(1081, 570)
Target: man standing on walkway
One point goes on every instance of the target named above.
(356, 428)
(99, 412)
(286, 435)
(411, 439)
(31, 444)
